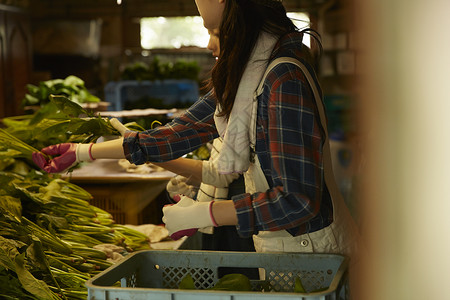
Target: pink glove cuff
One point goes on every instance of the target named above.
(90, 151)
(211, 214)
(83, 152)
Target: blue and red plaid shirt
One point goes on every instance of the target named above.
(289, 146)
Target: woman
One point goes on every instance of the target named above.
(277, 140)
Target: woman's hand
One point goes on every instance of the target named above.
(178, 185)
(65, 155)
(187, 214)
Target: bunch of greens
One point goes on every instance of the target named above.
(71, 87)
(48, 230)
(157, 70)
(59, 121)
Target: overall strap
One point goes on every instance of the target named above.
(328, 171)
(308, 76)
(260, 89)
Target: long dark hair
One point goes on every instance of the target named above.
(242, 22)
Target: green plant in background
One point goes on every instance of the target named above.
(157, 70)
(72, 87)
(137, 71)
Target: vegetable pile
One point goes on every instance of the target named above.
(49, 231)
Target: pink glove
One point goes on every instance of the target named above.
(186, 232)
(185, 217)
(67, 155)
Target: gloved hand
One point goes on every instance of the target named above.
(67, 155)
(118, 126)
(185, 217)
(177, 185)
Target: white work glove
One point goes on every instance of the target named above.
(118, 126)
(185, 217)
(177, 186)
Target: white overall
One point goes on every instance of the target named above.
(342, 235)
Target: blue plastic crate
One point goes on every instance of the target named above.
(156, 274)
(171, 91)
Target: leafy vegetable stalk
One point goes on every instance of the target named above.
(59, 121)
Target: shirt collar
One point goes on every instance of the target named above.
(289, 45)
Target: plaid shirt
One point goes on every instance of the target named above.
(289, 147)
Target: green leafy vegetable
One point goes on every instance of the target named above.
(59, 121)
(187, 283)
(70, 108)
(10, 142)
(10, 284)
(233, 282)
(29, 282)
(11, 206)
(298, 287)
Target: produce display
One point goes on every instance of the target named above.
(52, 240)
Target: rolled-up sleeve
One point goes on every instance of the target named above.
(175, 139)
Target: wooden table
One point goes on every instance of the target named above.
(124, 195)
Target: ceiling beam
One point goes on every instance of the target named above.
(134, 8)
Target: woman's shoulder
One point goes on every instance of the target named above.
(286, 76)
(284, 71)
(289, 54)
